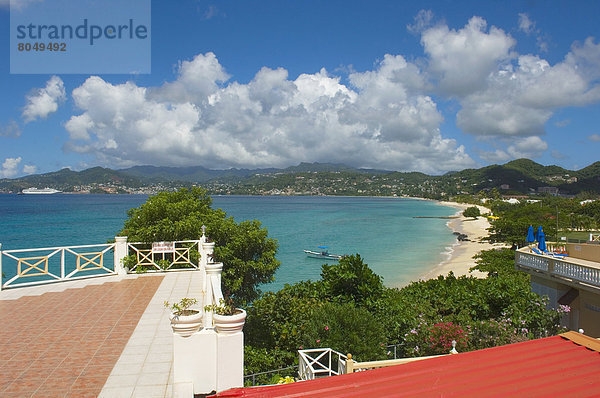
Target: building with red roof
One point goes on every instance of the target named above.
(568, 365)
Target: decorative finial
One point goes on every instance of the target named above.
(453, 350)
(203, 230)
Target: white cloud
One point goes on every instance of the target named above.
(528, 147)
(44, 101)
(29, 169)
(496, 156)
(12, 129)
(10, 167)
(17, 4)
(382, 120)
(421, 21)
(526, 25)
(385, 117)
(461, 60)
(502, 93)
(594, 137)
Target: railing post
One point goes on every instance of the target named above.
(349, 364)
(120, 254)
(0, 267)
(62, 263)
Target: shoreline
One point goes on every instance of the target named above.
(460, 255)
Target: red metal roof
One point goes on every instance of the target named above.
(552, 366)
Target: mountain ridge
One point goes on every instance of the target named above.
(519, 176)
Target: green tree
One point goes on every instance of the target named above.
(351, 281)
(246, 251)
(347, 329)
(472, 211)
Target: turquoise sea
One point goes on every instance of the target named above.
(382, 230)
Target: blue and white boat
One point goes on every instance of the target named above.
(322, 254)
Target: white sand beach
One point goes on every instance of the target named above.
(460, 258)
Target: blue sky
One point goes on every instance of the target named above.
(430, 86)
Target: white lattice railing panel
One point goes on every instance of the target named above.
(26, 267)
(164, 256)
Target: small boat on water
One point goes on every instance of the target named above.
(323, 254)
(38, 191)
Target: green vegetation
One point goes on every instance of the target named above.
(350, 310)
(568, 215)
(247, 253)
(472, 212)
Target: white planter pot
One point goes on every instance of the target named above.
(229, 324)
(186, 325)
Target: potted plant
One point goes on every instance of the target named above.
(227, 318)
(184, 320)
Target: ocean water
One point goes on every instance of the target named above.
(383, 231)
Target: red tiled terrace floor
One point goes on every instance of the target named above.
(65, 344)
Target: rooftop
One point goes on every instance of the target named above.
(566, 365)
(107, 337)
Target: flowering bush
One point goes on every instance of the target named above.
(492, 333)
(441, 336)
(286, 380)
(426, 339)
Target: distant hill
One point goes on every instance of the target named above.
(533, 169)
(520, 176)
(197, 174)
(66, 179)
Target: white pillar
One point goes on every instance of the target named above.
(212, 291)
(195, 361)
(208, 249)
(120, 254)
(0, 267)
(230, 361)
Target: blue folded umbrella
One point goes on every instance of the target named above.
(530, 237)
(541, 240)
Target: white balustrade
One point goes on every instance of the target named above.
(27, 267)
(318, 362)
(533, 261)
(152, 257)
(1, 274)
(561, 268)
(55, 264)
(577, 272)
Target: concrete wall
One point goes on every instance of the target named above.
(585, 309)
(589, 313)
(584, 251)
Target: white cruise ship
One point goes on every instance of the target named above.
(38, 191)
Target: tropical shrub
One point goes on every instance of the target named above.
(472, 211)
(246, 251)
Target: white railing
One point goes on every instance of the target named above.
(320, 362)
(577, 272)
(533, 261)
(27, 267)
(565, 269)
(164, 256)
